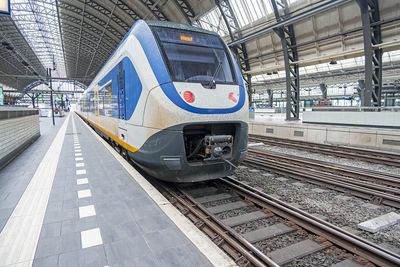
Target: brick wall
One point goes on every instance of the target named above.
(17, 132)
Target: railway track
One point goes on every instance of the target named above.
(372, 156)
(244, 204)
(252, 227)
(374, 186)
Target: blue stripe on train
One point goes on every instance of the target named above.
(131, 82)
(143, 33)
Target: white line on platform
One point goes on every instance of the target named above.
(78, 159)
(84, 193)
(80, 172)
(209, 250)
(80, 164)
(87, 211)
(82, 181)
(91, 238)
(20, 235)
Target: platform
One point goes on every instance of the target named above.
(275, 125)
(69, 200)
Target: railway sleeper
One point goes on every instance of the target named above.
(297, 250)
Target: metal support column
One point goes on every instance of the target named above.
(51, 94)
(361, 91)
(373, 55)
(33, 100)
(290, 55)
(240, 50)
(270, 97)
(324, 90)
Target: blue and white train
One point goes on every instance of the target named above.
(171, 98)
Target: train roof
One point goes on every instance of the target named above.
(174, 25)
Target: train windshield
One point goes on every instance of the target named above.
(195, 57)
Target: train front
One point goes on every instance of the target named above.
(200, 107)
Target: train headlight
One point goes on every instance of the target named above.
(232, 98)
(188, 96)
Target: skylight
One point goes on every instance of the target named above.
(38, 22)
(245, 11)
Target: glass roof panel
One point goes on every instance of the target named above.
(245, 11)
(38, 22)
(213, 21)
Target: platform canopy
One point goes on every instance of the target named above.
(321, 38)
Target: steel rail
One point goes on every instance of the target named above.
(235, 241)
(390, 159)
(322, 178)
(349, 171)
(342, 147)
(229, 230)
(334, 234)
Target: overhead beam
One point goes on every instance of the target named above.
(290, 21)
(386, 47)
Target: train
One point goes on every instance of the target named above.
(171, 98)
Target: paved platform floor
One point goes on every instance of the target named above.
(90, 212)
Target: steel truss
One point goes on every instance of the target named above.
(373, 56)
(288, 40)
(186, 10)
(155, 9)
(240, 50)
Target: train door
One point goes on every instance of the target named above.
(96, 104)
(121, 93)
(121, 104)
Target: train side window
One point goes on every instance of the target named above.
(101, 100)
(108, 100)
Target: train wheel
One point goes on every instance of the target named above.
(124, 154)
(117, 148)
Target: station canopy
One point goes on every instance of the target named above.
(74, 38)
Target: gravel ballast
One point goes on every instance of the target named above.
(334, 207)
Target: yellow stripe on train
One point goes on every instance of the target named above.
(113, 137)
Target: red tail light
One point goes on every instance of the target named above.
(188, 96)
(232, 98)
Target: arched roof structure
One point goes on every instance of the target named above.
(275, 41)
